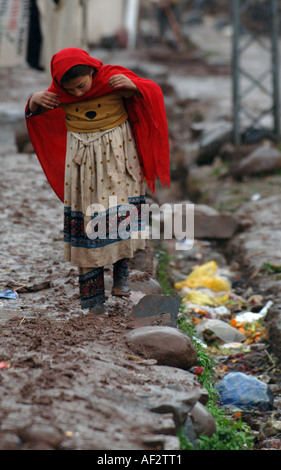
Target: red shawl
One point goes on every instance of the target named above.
(147, 117)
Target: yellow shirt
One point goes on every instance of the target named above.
(95, 115)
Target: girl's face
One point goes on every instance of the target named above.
(79, 86)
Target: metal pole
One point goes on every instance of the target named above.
(239, 7)
(84, 5)
(131, 21)
(275, 68)
(235, 72)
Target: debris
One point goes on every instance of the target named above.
(34, 287)
(251, 317)
(201, 298)
(197, 370)
(235, 347)
(214, 329)
(8, 294)
(4, 365)
(244, 391)
(204, 276)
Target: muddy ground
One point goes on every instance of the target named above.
(69, 377)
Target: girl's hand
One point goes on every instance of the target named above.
(45, 99)
(121, 81)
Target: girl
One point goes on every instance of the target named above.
(99, 132)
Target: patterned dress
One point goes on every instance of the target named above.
(104, 192)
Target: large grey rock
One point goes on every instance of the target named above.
(262, 160)
(167, 345)
(211, 224)
(208, 223)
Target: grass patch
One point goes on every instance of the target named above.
(164, 259)
(231, 433)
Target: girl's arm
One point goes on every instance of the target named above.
(43, 99)
(121, 81)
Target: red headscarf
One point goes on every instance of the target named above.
(147, 117)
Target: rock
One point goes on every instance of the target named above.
(254, 135)
(178, 403)
(273, 328)
(9, 441)
(190, 416)
(156, 309)
(167, 345)
(41, 433)
(262, 160)
(138, 281)
(211, 224)
(271, 428)
(212, 141)
(144, 282)
(203, 421)
(171, 443)
(245, 391)
(202, 223)
(161, 319)
(144, 260)
(213, 329)
(22, 139)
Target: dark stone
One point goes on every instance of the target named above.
(152, 305)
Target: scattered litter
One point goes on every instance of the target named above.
(245, 391)
(213, 329)
(8, 294)
(4, 365)
(34, 287)
(235, 347)
(251, 317)
(198, 370)
(204, 276)
(252, 330)
(210, 312)
(256, 197)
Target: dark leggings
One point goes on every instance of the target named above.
(91, 284)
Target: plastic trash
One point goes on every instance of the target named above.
(251, 317)
(219, 329)
(244, 391)
(8, 294)
(200, 298)
(205, 276)
(212, 312)
(235, 347)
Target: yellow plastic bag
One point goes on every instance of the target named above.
(204, 276)
(199, 298)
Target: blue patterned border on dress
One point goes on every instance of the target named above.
(75, 230)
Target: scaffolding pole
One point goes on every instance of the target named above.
(243, 38)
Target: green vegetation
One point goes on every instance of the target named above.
(164, 260)
(271, 268)
(231, 433)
